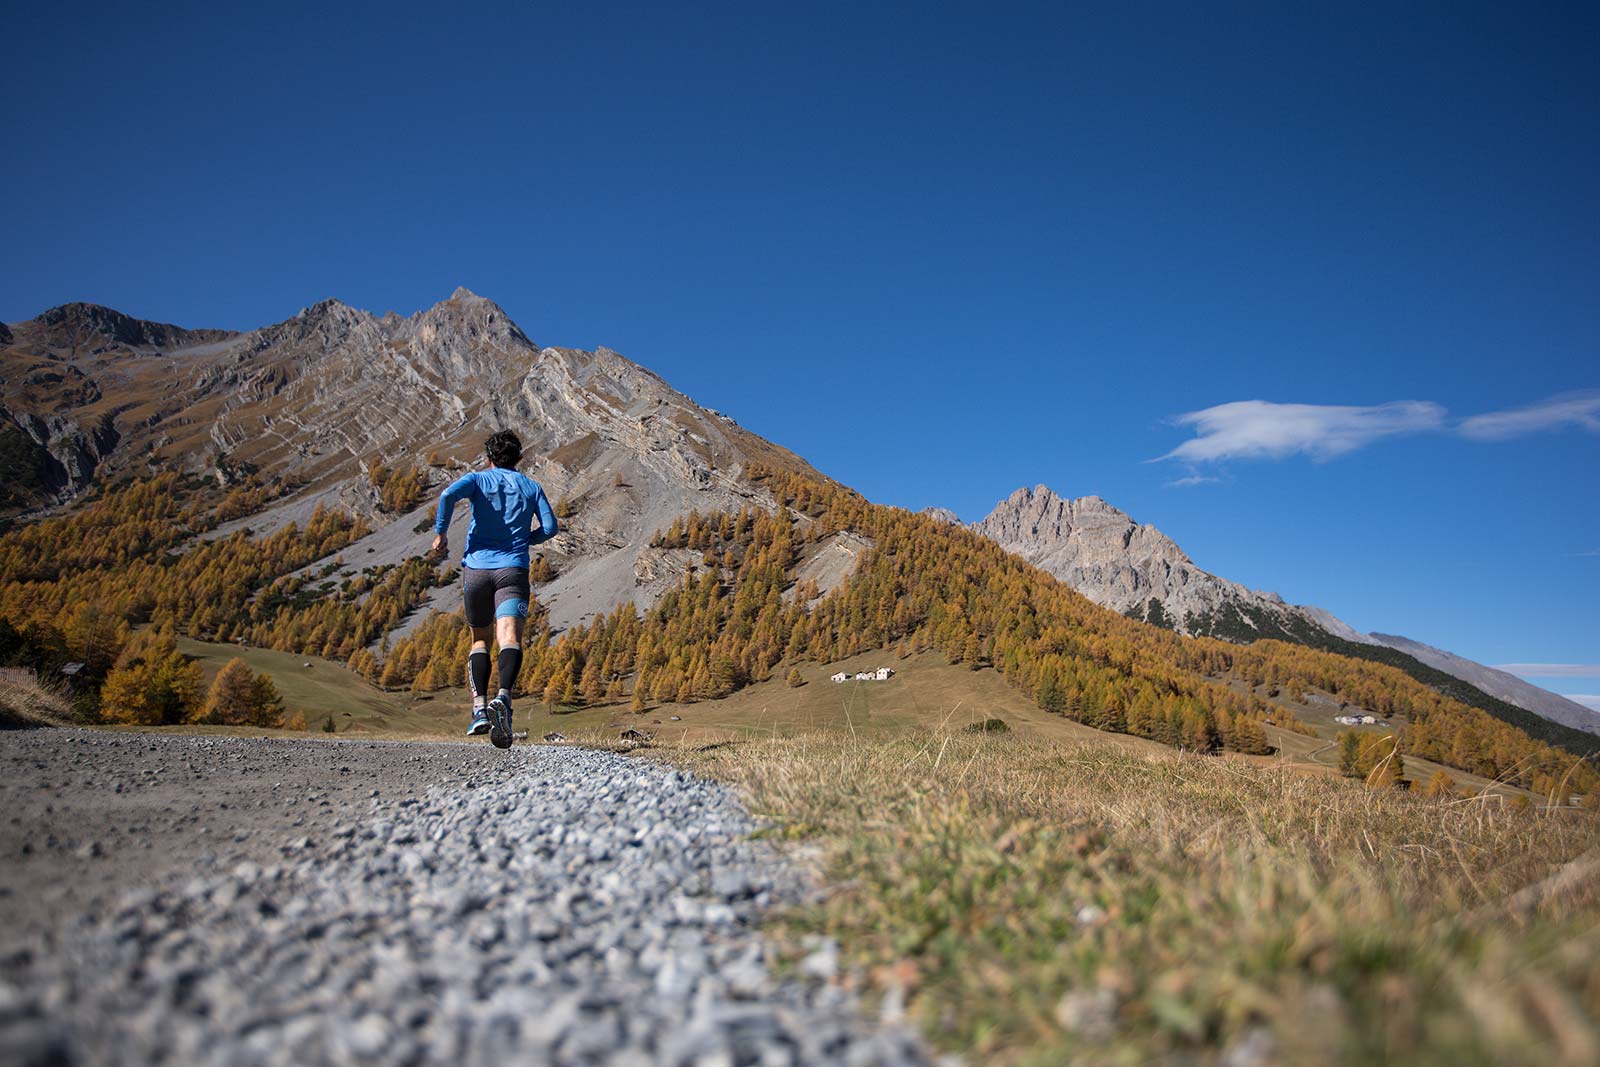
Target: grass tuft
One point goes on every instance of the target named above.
(25, 701)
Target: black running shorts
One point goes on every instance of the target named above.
(497, 594)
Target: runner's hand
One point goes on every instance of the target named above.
(440, 545)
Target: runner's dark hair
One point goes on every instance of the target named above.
(504, 449)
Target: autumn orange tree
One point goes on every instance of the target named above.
(152, 684)
(240, 697)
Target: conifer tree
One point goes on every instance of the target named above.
(231, 701)
(590, 687)
(266, 705)
(1248, 737)
(1349, 753)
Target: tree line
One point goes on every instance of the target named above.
(136, 556)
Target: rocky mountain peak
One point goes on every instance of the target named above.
(467, 318)
(328, 309)
(81, 324)
(1039, 522)
(1113, 560)
(322, 327)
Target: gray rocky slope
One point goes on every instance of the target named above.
(544, 905)
(88, 394)
(1136, 569)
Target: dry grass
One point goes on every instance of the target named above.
(25, 701)
(1038, 901)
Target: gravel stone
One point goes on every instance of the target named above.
(570, 907)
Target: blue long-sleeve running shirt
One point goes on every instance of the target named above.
(509, 515)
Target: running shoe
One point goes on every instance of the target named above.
(500, 720)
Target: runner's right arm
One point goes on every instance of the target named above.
(548, 527)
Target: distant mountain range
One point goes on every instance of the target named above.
(89, 395)
(1136, 569)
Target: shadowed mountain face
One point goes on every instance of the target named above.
(89, 394)
(1498, 683)
(1140, 571)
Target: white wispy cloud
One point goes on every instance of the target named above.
(1192, 479)
(1588, 700)
(1583, 555)
(1565, 409)
(1551, 670)
(1261, 429)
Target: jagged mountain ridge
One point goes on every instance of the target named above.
(1136, 569)
(89, 394)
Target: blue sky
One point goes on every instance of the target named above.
(941, 252)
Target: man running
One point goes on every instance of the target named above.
(505, 507)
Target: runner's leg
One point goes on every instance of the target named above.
(508, 635)
(478, 596)
(478, 665)
(511, 595)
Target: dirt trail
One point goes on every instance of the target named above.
(89, 814)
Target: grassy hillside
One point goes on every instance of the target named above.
(1029, 901)
(926, 692)
(1579, 742)
(325, 689)
(927, 695)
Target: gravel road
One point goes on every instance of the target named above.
(195, 900)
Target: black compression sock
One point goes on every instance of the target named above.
(478, 674)
(510, 664)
